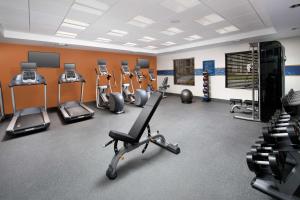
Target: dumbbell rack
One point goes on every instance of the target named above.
(205, 86)
(287, 187)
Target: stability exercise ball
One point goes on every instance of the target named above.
(186, 96)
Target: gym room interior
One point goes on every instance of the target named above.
(149, 99)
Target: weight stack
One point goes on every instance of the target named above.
(206, 97)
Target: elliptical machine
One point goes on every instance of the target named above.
(105, 97)
(140, 77)
(151, 79)
(139, 97)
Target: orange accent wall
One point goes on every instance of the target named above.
(86, 61)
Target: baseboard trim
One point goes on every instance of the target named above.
(200, 97)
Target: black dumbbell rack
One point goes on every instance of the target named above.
(282, 182)
(206, 86)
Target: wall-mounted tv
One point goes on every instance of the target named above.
(143, 63)
(44, 59)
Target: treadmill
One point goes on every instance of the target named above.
(28, 119)
(72, 110)
(2, 115)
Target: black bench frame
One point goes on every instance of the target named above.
(132, 139)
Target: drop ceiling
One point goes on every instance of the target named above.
(146, 26)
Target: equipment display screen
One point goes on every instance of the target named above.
(143, 63)
(102, 68)
(125, 68)
(44, 59)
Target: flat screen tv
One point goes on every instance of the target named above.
(143, 63)
(44, 59)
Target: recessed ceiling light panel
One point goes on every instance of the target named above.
(100, 39)
(179, 6)
(147, 39)
(168, 43)
(193, 37)
(227, 29)
(73, 26)
(86, 9)
(172, 31)
(151, 47)
(117, 33)
(65, 34)
(130, 44)
(141, 21)
(93, 4)
(210, 19)
(75, 22)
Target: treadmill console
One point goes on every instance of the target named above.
(29, 72)
(139, 74)
(103, 70)
(151, 75)
(70, 74)
(102, 67)
(125, 68)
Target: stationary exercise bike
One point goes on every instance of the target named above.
(139, 97)
(105, 97)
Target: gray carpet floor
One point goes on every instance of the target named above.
(68, 162)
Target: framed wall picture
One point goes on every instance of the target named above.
(184, 71)
(209, 66)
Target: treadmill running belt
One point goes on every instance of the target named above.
(76, 111)
(29, 121)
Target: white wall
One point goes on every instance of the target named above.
(217, 83)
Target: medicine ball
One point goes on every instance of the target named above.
(186, 96)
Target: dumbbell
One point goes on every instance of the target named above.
(291, 132)
(264, 151)
(283, 122)
(205, 90)
(281, 115)
(205, 84)
(257, 164)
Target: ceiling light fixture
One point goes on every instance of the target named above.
(179, 6)
(130, 44)
(210, 19)
(100, 39)
(93, 4)
(227, 29)
(151, 47)
(172, 31)
(73, 26)
(86, 9)
(78, 23)
(193, 37)
(117, 33)
(147, 39)
(66, 34)
(168, 43)
(141, 21)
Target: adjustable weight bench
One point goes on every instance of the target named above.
(132, 139)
